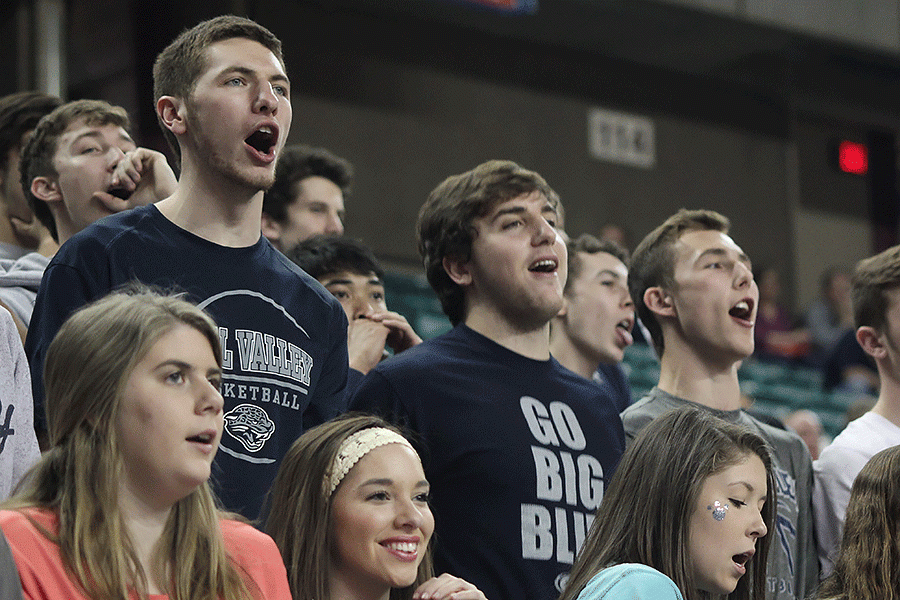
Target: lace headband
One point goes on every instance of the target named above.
(358, 445)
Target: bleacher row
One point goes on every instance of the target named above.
(777, 389)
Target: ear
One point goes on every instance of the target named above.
(45, 189)
(457, 270)
(171, 112)
(659, 302)
(271, 228)
(870, 341)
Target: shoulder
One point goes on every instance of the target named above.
(631, 581)
(28, 526)
(256, 554)
(100, 235)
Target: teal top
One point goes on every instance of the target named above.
(630, 581)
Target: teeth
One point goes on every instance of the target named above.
(408, 547)
(742, 305)
(265, 130)
(544, 264)
(623, 324)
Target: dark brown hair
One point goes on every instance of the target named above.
(653, 261)
(872, 279)
(444, 228)
(181, 63)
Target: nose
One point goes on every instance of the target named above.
(743, 276)
(627, 302)
(408, 515)
(361, 307)
(115, 156)
(334, 226)
(544, 233)
(209, 398)
(266, 98)
(758, 528)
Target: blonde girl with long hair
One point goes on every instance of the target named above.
(120, 507)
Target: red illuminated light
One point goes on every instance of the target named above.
(853, 158)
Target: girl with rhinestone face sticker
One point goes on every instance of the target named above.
(685, 516)
(349, 512)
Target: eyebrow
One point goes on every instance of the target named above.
(609, 272)
(373, 281)
(251, 72)
(184, 365)
(743, 483)
(742, 256)
(99, 136)
(389, 482)
(518, 210)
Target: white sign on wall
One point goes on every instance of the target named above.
(621, 138)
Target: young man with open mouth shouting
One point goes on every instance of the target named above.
(694, 290)
(223, 101)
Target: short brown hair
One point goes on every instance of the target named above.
(653, 261)
(180, 64)
(444, 227)
(588, 244)
(38, 153)
(872, 279)
(296, 163)
(19, 114)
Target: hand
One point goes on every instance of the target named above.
(33, 234)
(447, 587)
(365, 343)
(145, 174)
(401, 336)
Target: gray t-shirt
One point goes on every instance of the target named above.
(793, 570)
(10, 587)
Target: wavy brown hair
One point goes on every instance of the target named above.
(88, 366)
(868, 564)
(300, 509)
(665, 468)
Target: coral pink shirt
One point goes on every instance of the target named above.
(44, 576)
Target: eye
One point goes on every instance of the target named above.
(281, 90)
(511, 224)
(340, 294)
(216, 382)
(379, 496)
(423, 498)
(737, 503)
(176, 377)
(235, 82)
(90, 150)
(552, 222)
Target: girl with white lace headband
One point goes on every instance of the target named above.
(349, 512)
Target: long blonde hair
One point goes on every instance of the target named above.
(87, 367)
(300, 511)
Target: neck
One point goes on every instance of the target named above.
(7, 235)
(685, 374)
(215, 208)
(145, 524)
(888, 404)
(569, 356)
(531, 341)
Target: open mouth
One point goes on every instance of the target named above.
(202, 438)
(742, 559)
(263, 140)
(742, 310)
(625, 324)
(545, 265)
(120, 192)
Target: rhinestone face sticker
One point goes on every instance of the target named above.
(718, 510)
